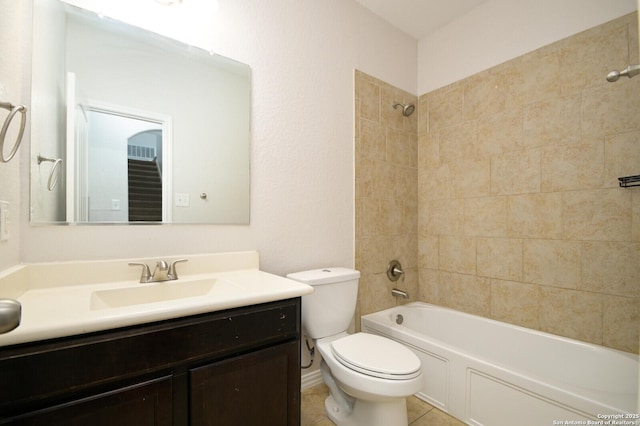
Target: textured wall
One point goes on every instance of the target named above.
(520, 214)
(302, 56)
(386, 191)
(13, 64)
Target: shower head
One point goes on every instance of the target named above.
(613, 76)
(630, 71)
(407, 109)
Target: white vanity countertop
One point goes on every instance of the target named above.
(98, 297)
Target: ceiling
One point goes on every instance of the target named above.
(418, 18)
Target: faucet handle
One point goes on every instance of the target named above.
(173, 272)
(146, 273)
(394, 271)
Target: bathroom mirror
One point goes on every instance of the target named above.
(148, 130)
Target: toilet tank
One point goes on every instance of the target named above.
(330, 308)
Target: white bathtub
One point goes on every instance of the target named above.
(486, 372)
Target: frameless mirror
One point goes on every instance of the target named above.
(131, 127)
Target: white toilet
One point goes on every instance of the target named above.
(369, 376)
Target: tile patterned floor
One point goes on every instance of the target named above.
(419, 412)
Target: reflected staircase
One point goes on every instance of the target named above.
(145, 191)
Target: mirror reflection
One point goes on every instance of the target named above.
(148, 129)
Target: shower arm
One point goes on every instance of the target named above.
(631, 71)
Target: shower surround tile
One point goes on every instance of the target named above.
(635, 219)
(386, 161)
(609, 109)
(516, 303)
(532, 78)
(555, 238)
(483, 96)
(499, 258)
(500, 133)
(516, 172)
(611, 267)
(576, 166)
(554, 120)
(555, 263)
(457, 254)
(464, 292)
(534, 215)
(485, 217)
(445, 108)
(516, 213)
(603, 215)
(578, 65)
(577, 314)
(470, 177)
(621, 156)
(458, 141)
(621, 316)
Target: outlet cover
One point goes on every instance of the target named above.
(182, 200)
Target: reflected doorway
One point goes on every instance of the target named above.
(126, 173)
(144, 183)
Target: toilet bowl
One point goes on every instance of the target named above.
(369, 376)
(377, 373)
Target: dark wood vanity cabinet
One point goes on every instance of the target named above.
(235, 367)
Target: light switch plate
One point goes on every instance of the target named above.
(182, 200)
(4, 219)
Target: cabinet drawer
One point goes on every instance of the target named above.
(143, 404)
(44, 371)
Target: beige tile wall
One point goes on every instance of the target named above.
(386, 189)
(500, 196)
(520, 215)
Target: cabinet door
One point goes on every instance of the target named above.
(145, 404)
(260, 388)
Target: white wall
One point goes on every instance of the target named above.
(14, 70)
(302, 55)
(499, 30)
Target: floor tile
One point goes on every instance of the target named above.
(419, 413)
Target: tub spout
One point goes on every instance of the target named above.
(399, 293)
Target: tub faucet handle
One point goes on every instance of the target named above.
(394, 270)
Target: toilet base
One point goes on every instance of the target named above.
(369, 413)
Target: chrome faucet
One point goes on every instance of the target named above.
(162, 272)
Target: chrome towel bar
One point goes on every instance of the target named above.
(13, 110)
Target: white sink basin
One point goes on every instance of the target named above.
(61, 299)
(159, 292)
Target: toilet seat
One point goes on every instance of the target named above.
(376, 356)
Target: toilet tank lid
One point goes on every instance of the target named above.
(325, 275)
